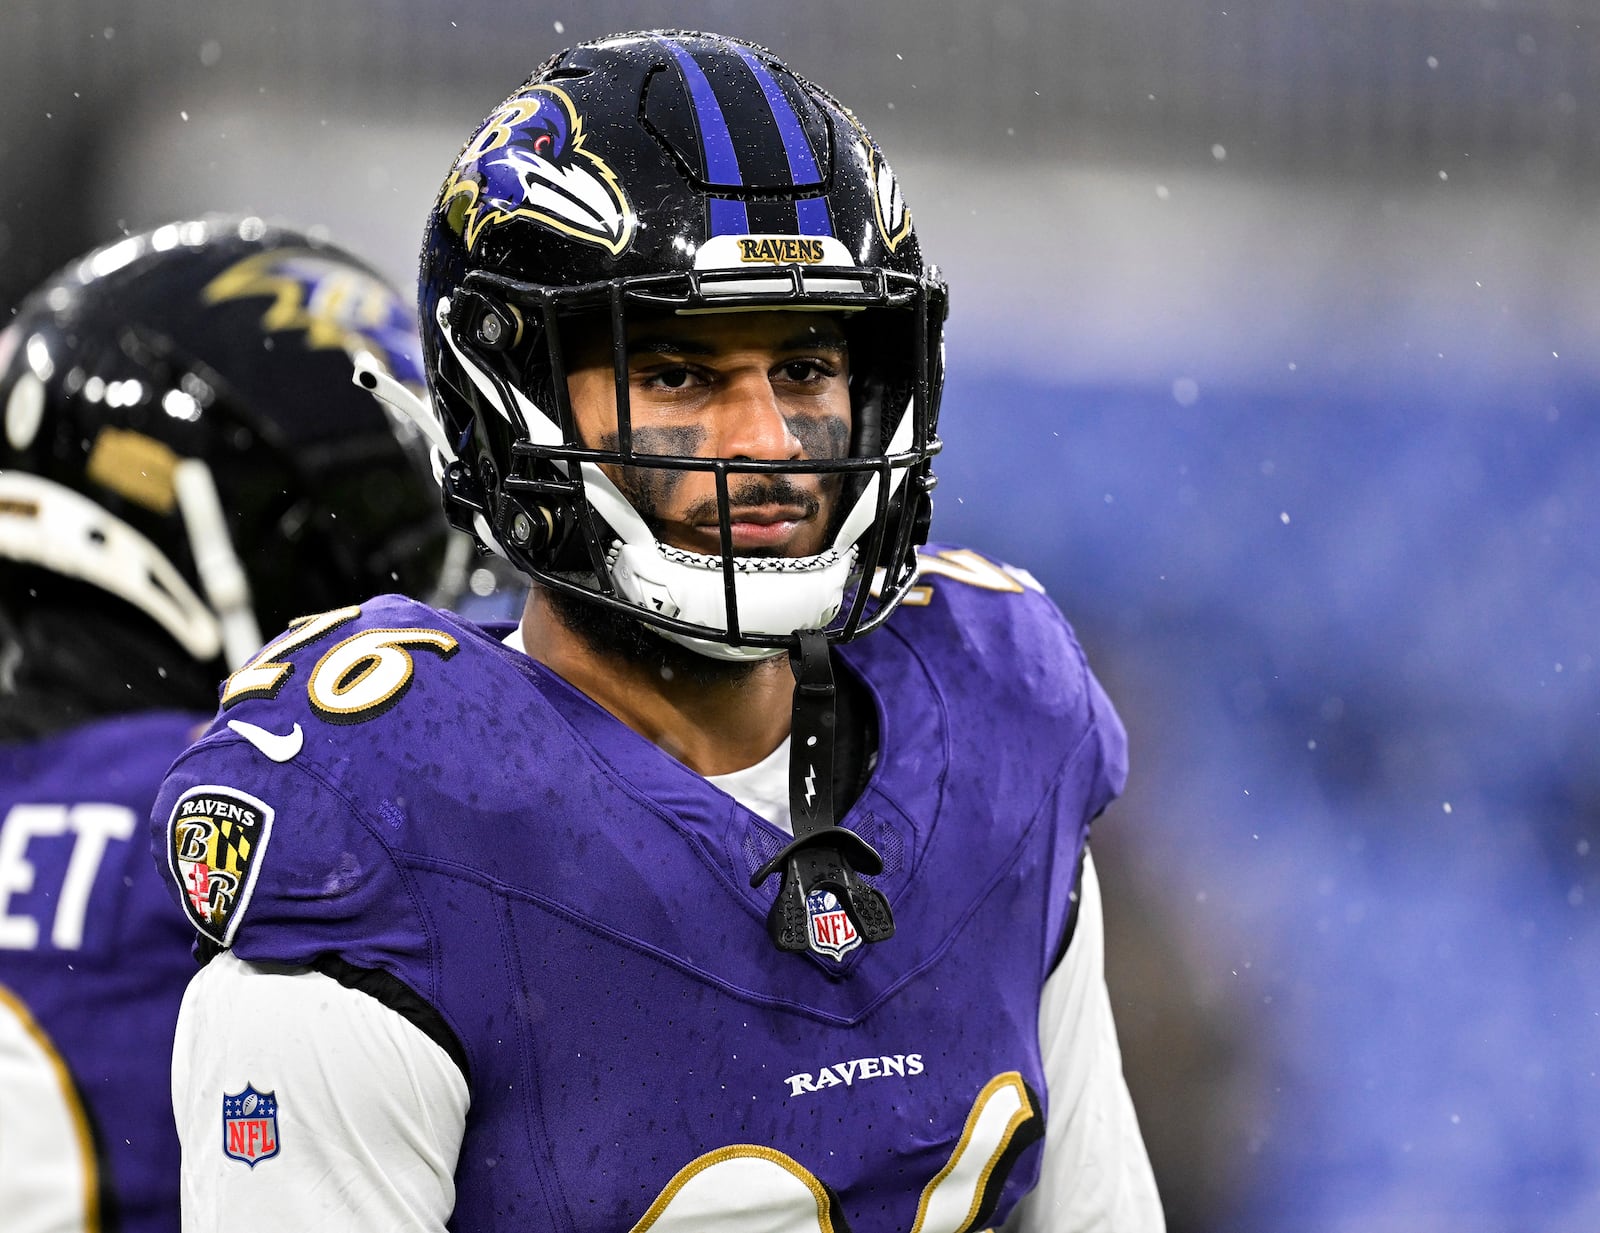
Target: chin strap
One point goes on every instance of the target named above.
(823, 857)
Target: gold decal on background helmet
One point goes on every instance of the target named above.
(335, 305)
(136, 467)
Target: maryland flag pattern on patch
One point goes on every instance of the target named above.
(215, 839)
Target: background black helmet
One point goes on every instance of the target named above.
(181, 431)
(674, 171)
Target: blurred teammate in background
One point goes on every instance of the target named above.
(711, 897)
(185, 463)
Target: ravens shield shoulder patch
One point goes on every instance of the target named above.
(215, 838)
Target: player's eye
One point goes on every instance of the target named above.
(673, 378)
(801, 371)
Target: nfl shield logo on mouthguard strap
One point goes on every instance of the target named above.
(832, 934)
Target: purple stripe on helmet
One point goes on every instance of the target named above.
(722, 161)
(812, 212)
(813, 216)
(729, 217)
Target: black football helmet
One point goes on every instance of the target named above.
(668, 171)
(182, 431)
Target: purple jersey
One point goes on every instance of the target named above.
(93, 964)
(571, 909)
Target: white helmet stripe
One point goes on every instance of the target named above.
(615, 508)
(215, 561)
(371, 376)
(865, 509)
(541, 428)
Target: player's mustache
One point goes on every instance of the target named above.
(758, 490)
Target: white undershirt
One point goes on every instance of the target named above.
(376, 1111)
(763, 789)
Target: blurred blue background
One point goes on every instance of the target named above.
(1353, 636)
(1274, 356)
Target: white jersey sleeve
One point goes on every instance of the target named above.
(1095, 1176)
(370, 1112)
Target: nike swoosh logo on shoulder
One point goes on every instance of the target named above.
(280, 748)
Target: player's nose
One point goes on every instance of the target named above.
(750, 422)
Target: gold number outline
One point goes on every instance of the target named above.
(333, 678)
(264, 676)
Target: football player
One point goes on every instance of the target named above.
(185, 462)
(743, 884)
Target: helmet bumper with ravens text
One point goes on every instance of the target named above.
(670, 172)
(181, 431)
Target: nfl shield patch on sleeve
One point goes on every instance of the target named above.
(250, 1125)
(215, 839)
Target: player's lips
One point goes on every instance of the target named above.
(756, 527)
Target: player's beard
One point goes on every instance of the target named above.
(611, 632)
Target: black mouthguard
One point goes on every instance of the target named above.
(823, 856)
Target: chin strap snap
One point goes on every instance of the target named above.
(823, 857)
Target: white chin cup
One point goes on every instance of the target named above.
(51, 526)
(775, 595)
